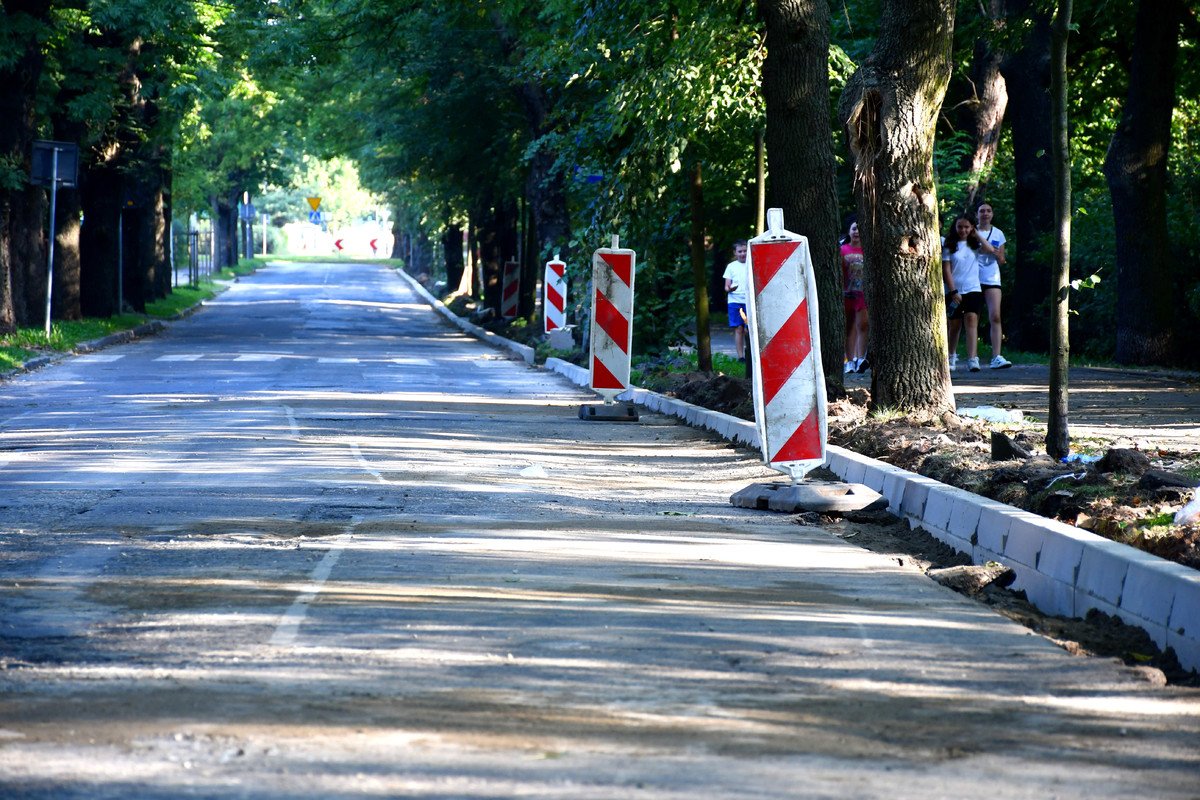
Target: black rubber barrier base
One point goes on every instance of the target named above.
(609, 412)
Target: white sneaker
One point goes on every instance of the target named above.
(953, 362)
(1000, 362)
(850, 367)
(973, 364)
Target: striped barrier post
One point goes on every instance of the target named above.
(510, 289)
(785, 339)
(554, 302)
(613, 270)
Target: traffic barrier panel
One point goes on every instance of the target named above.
(611, 339)
(554, 301)
(789, 386)
(510, 289)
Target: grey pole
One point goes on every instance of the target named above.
(50, 260)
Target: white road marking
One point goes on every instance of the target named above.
(181, 357)
(291, 418)
(358, 455)
(259, 357)
(288, 628)
(413, 362)
(98, 358)
(337, 360)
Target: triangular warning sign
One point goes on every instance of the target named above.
(315, 202)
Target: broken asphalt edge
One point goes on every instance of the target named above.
(1063, 570)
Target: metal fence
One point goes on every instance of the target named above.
(193, 255)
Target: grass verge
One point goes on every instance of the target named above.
(24, 344)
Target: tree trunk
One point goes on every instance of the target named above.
(890, 107)
(1027, 77)
(19, 77)
(66, 255)
(452, 251)
(984, 113)
(699, 270)
(795, 87)
(1058, 440)
(1136, 169)
(98, 240)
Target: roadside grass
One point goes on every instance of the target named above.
(24, 344)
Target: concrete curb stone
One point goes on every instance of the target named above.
(1063, 570)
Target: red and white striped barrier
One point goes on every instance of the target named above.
(785, 339)
(510, 289)
(612, 319)
(554, 302)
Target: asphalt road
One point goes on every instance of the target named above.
(311, 542)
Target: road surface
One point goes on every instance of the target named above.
(312, 542)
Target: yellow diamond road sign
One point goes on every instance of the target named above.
(315, 202)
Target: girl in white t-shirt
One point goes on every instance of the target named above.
(960, 273)
(989, 279)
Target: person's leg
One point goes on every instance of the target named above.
(971, 332)
(739, 341)
(860, 333)
(992, 296)
(953, 328)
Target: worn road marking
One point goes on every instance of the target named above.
(358, 455)
(259, 357)
(100, 358)
(288, 628)
(337, 360)
(181, 357)
(291, 418)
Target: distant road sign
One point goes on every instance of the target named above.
(43, 163)
(314, 217)
(315, 202)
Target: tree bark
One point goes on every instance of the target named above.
(699, 269)
(452, 253)
(802, 179)
(1058, 440)
(21, 209)
(984, 113)
(1027, 77)
(1136, 169)
(890, 107)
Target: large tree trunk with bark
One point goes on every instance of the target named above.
(21, 208)
(1136, 169)
(890, 108)
(984, 112)
(795, 86)
(1027, 76)
(99, 190)
(452, 253)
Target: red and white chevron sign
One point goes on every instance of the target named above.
(510, 289)
(612, 319)
(554, 304)
(789, 387)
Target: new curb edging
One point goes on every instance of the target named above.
(522, 351)
(1063, 570)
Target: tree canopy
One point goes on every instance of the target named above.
(547, 127)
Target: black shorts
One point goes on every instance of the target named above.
(987, 286)
(971, 303)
